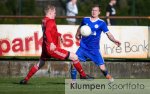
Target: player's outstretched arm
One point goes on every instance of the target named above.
(111, 37)
(52, 46)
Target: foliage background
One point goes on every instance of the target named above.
(35, 8)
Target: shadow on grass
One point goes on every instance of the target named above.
(18, 83)
(52, 83)
(56, 83)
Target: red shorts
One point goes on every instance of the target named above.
(58, 53)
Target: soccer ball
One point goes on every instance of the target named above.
(85, 30)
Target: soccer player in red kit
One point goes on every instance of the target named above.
(51, 47)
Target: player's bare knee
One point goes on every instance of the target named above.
(73, 56)
(102, 67)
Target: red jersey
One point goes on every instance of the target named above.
(50, 33)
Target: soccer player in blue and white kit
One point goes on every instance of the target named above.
(89, 46)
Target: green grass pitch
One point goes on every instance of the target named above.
(38, 85)
(46, 85)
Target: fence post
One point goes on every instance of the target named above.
(148, 42)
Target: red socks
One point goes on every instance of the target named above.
(78, 67)
(76, 64)
(32, 71)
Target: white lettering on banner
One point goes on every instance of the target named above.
(26, 40)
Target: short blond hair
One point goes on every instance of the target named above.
(49, 7)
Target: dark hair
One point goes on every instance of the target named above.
(96, 5)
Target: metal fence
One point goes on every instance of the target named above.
(121, 20)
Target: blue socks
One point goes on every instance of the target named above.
(73, 74)
(105, 72)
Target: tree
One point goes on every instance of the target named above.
(28, 7)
